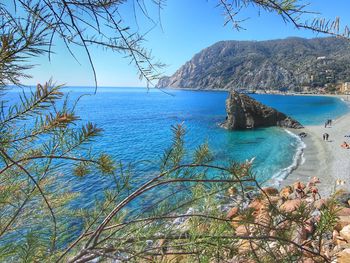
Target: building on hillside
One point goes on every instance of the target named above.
(306, 89)
(344, 88)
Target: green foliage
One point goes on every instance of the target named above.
(203, 154)
(19, 39)
(81, 169)
(106, 164)
(328, 217)
(41, 139)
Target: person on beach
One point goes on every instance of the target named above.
(345, 145)
(328, 123)
(302, 135)
(325, 136)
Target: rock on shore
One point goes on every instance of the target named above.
(244, 112)
(289, 203)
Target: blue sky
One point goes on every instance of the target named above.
(188, 26)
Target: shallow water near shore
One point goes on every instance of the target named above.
(137, 126)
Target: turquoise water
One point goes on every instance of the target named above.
(137, 126)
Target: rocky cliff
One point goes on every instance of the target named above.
(244, 112)
(288, 63)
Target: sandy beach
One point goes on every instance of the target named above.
(325, 159)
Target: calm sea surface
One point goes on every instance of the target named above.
(137, 126)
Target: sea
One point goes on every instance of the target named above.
(137, 128)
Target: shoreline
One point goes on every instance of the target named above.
(298, 158)
(324, 159)
(248, 93)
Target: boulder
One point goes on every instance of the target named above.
(286, 192)
(340, 241)
(232, 213)
(246, 246)
(242, 230)
(291, 205)
(343, 211)
(342, 197)
(257, 204)
(320, 204)
(345, 233)
(237, 221)
(244, 112)
(262, 218)
(308, 260)
(299, 188)
(274, 199)
(271, 191)
(342, 222)
(335, 234)
(344, 256)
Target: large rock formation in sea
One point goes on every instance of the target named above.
(274, 64)
(244, 112)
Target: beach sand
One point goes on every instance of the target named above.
(324, 159)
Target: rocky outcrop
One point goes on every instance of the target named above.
(244, 112)
(290, 202)
(285, 64)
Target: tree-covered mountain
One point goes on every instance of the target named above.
(289, 63)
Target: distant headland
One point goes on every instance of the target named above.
(318, 65)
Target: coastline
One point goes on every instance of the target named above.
(324, 159)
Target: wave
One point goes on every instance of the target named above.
(298, 159)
